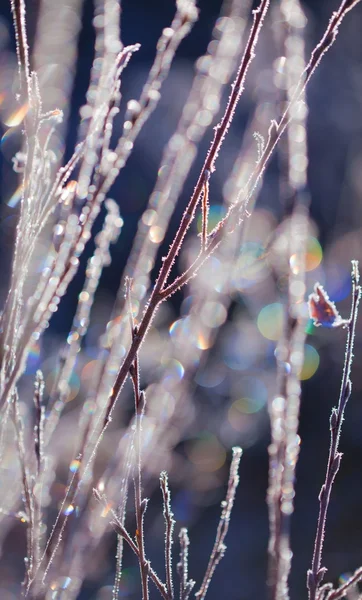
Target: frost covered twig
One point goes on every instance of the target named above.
(170, 523)
(219, 548)
(317, 571)
(186, 584)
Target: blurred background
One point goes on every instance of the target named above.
(233, 375)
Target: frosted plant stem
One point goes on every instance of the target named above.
(317, 572)
(40, 462)
(219, 548)
(170, 523)
(205, 211)
(284, 418)
(119, 560)
(22, 51)
(220, 131)
(140, 505)
(186, 584)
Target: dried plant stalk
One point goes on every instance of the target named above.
(227, 505)
(317, 571)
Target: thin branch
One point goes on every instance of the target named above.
(170, 523)
(317, 572)
(22, 50)
(205, 211)
(140, 505)
(186, 585)
(219, 548)
(101, 258)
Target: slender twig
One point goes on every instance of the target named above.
(317, 572)
(170, 523)
(101, 258)
(140, 505)
(219, 548)
(186, 585)
(18, 11)
(205, 211)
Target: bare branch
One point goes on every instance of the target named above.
(317, 572)
(219, 548)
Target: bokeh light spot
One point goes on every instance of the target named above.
(33, 361)
(311, 362)
(314, 254)
(213, 314)
(206, 453)
(156, 234)
(216, 213)
(270, 321)
(17, 116)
